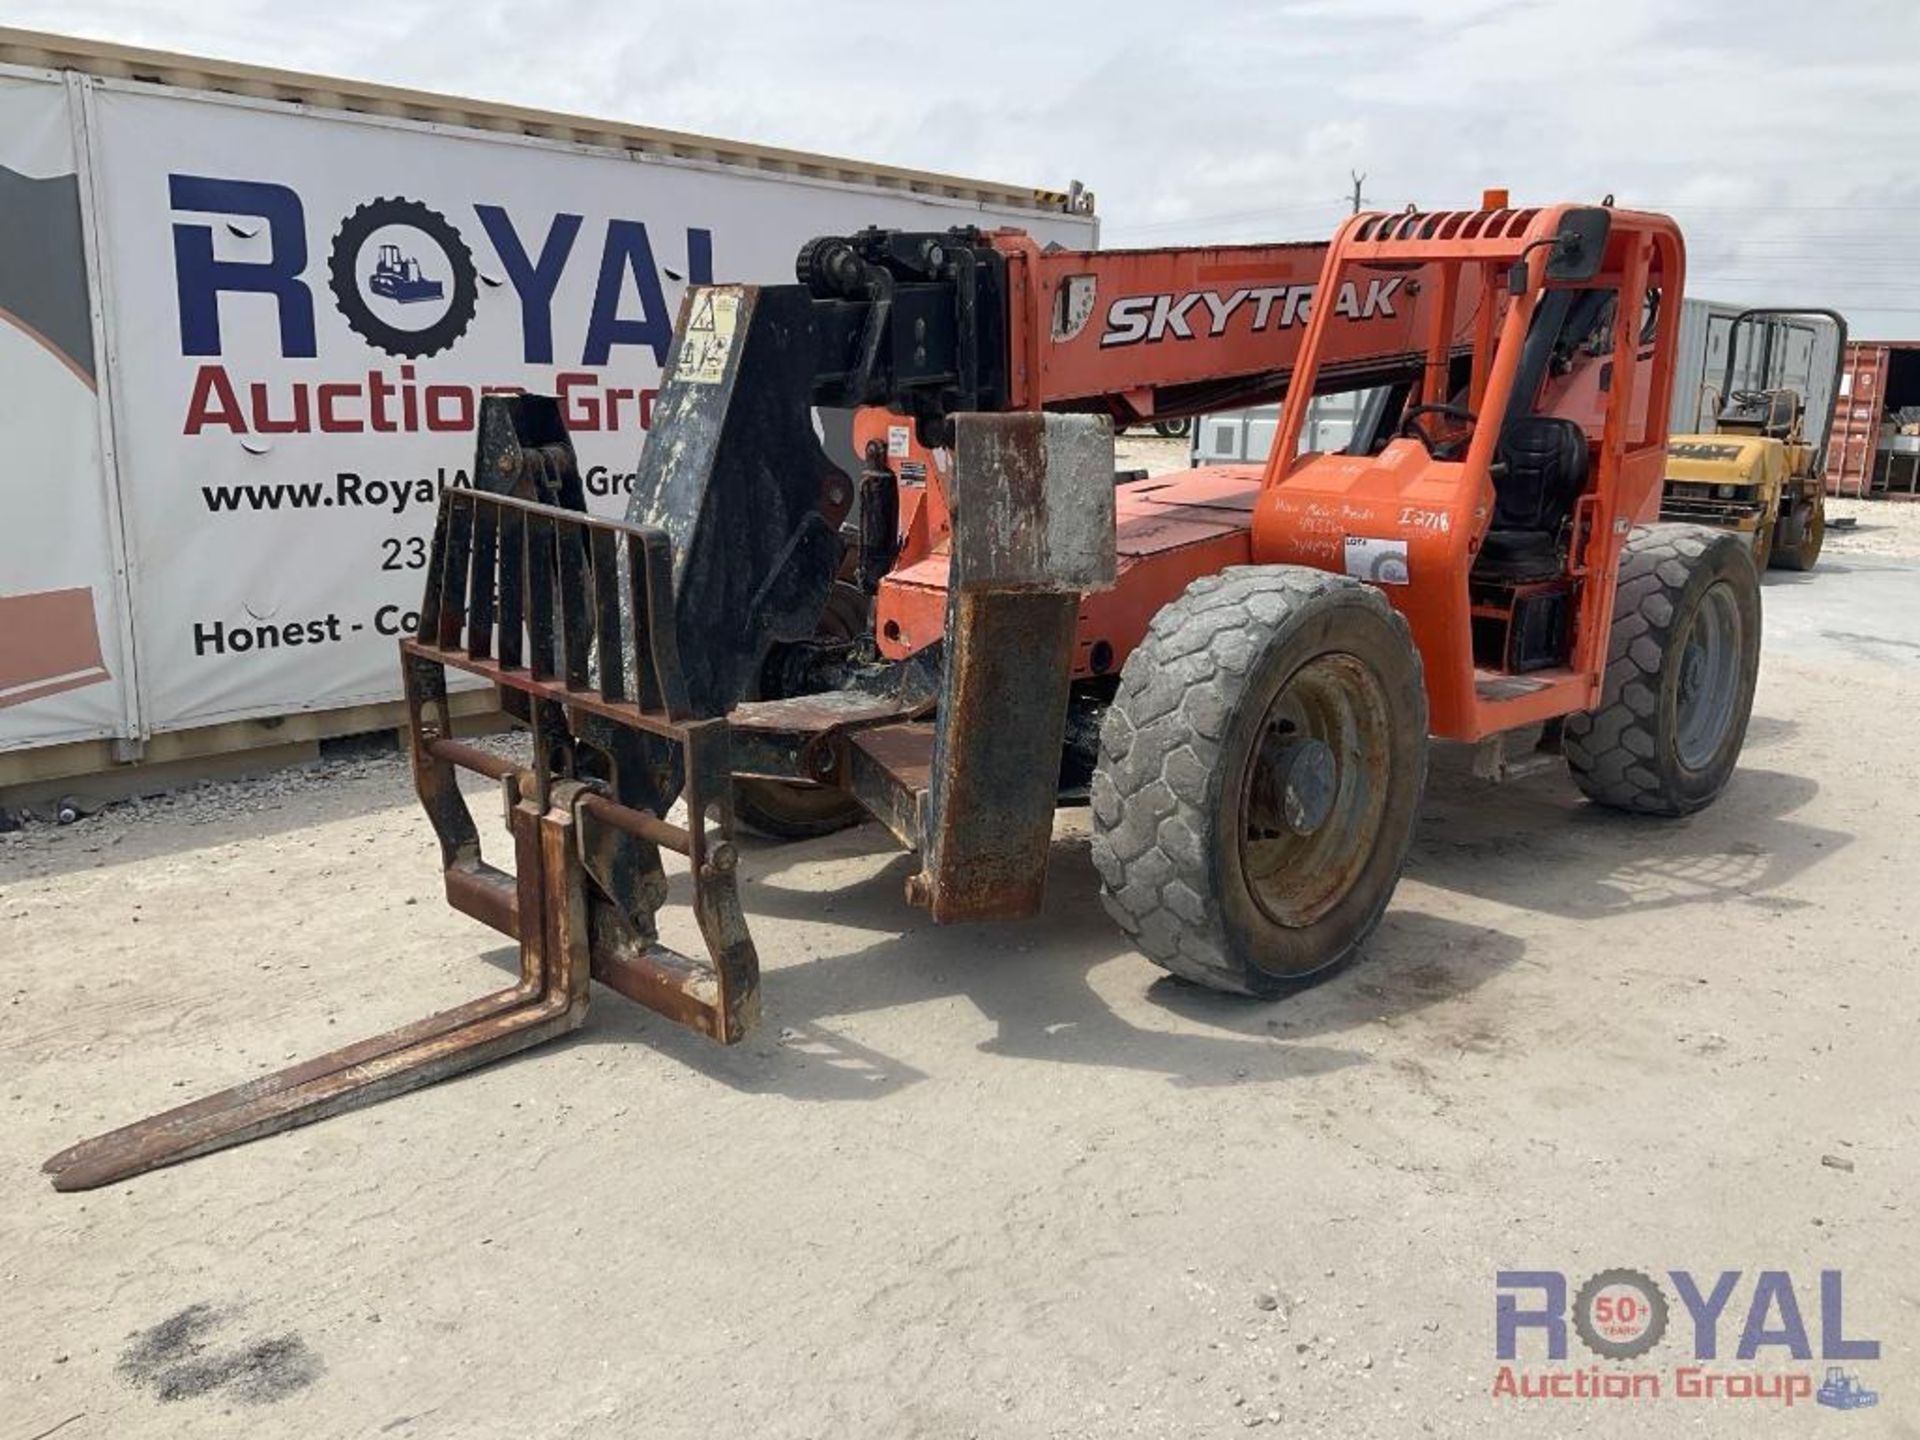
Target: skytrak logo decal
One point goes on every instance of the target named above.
(1133, 319)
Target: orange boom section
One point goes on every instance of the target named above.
(1139, 335)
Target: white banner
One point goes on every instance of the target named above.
(61, 668)
(307, 309)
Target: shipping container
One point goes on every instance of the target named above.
(246, 316)
(1875, 451)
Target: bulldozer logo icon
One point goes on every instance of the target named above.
(1843, 1391)
(402, 277)
(398, 277)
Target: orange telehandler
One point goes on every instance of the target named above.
(1239, 667)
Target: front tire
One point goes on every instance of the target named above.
(1260, 772)
(1682, 660)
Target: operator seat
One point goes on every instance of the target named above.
(1541, 470)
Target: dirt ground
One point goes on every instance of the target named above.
(987, 1181)
(1874, 527)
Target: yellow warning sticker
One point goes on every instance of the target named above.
(708, 343)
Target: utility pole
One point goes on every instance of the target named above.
(1359, 179)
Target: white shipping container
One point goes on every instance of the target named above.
(280, 299)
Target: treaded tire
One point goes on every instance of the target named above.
(1627, 753)
(1177, 749)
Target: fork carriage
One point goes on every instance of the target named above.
(571, 618)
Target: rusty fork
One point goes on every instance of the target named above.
(574, 608)
(549, 999)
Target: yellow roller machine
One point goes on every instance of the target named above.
(1762, 470)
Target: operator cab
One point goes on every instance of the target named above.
(1543, 463)
(1492, 491)
(1772, 414)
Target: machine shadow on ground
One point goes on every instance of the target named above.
(1538, 845)
(1034, 981)
(1064, 987)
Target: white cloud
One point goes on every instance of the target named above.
(1780, 133)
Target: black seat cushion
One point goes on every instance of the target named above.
(1542, 470)
(1518, 555)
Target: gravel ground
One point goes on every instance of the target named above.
(978, 1181)
(1143, 450)
(1879, 527)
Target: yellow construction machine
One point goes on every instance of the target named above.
(1762, 470)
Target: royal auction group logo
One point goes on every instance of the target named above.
(1621, 1316)
(466, 294)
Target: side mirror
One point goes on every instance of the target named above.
(1580, 246)
(1517, 278)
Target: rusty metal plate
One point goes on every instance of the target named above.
(890, 770)
(996, 766)
(1033, 502)
(813, 714)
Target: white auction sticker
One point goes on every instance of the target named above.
(1381, 562)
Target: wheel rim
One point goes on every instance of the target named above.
(1314, 796)
(1709, 678)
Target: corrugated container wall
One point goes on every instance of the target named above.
(1875, 451)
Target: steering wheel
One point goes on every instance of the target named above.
(1410, 426)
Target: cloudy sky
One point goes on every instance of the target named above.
(1784, 134)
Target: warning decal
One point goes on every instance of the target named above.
(708, 343)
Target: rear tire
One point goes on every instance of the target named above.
(1260, 771)
(1683, 657)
